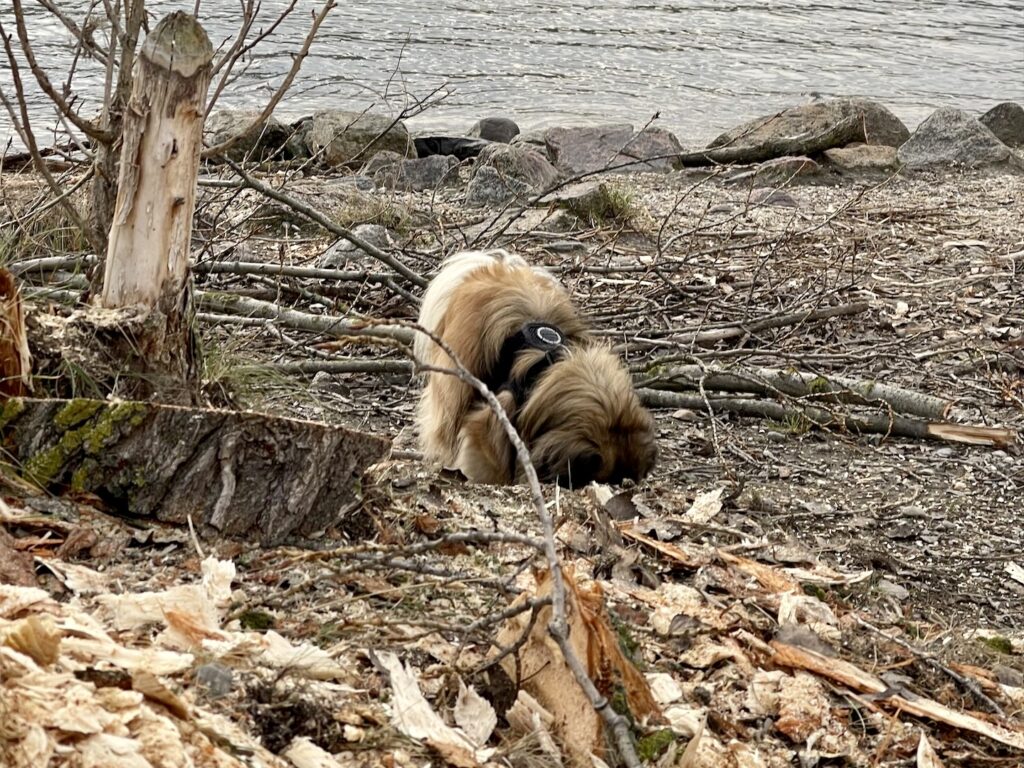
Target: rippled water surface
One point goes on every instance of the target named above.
(703, 64)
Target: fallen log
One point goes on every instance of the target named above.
(839, 135)
(772, 381)
(233, 473)
(870, 423)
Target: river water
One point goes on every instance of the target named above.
(702, 65)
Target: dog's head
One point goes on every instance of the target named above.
(583, 421)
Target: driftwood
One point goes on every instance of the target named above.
(871, 423)
(839, 135)
(238, 474)
(771, 381)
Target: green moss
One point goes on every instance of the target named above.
(110, 423)
(12, 409)
(258, 620)
(92, 437)
(819, 385)
(652, 746)
(999, 644)
(75, 412)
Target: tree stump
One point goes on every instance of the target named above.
(237, 474)
(147, 254)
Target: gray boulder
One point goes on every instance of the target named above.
(593, 148)
(347, 138)
(342, 252)
(877, 125)
(863, 158)
(488, 187)
(785, 170)
(268, 140)
(414, 175)
(1006, 121)
(519, 162)
(499, 129)
(953, 137)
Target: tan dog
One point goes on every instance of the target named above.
(571, 400)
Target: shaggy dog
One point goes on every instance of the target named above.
(571, 400)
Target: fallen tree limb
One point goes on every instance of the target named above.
(334, 367)
(767, 323)
(239, 473)
(842, 133)
(854, 677)
(333, 326)
(263, 268)
(772, 381)
(874, 423)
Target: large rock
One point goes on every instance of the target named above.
(459, 146)
(519, 162)
(270, 139)
(342, 252)
(953, 137)
(1006, 121)
(391, 170)
(863, 159)
(489, 188)
(877, 124)
(594, 148)
(499, 129)
(348, 138)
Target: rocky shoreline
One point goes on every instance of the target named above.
(840, 138)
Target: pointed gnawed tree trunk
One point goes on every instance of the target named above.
(146, 270)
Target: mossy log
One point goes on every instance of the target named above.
(233, 473)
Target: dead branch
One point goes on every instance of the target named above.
(877, 423)
(773, 381)
(304, 321)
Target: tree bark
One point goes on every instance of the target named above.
(147, 254)
(236, 474)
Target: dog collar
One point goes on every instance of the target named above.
(543, 336)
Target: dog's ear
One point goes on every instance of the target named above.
(486, 455)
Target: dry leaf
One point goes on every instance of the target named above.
(704, 507)
(474, 715)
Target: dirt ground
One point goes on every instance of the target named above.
(938, 259)
(922, 537)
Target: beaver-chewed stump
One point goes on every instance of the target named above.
(239, 474)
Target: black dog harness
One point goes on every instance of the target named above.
(547, 338)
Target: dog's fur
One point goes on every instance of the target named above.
(581, 419)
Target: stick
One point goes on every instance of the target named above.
(879, 423)
(292, 318)
(771, 381)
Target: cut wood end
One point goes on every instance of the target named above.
(179, 44)
(973, 435)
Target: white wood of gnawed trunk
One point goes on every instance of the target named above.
(147, 255)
